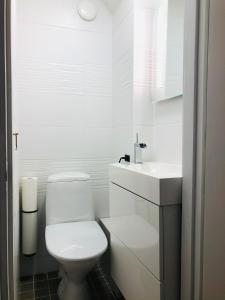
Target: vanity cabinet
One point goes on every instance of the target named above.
(144, 244)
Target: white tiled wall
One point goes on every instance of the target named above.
(142, 103)
(168, 131)
(123, 79)
(159, 124)
(63, 85)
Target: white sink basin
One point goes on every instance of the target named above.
(155, 169)
(155, 181)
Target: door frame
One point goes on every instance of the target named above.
(194, 140)
(6, 188)
(189, 147)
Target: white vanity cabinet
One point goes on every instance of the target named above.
(144, 238)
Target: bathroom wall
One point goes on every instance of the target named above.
(122, 43)
(159, 124)
(63, 86)
(132, 105)
(168, 126)
(168, 114)
(143, 109)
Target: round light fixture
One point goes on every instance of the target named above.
(87, 10)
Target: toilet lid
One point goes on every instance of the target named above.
(75, 241)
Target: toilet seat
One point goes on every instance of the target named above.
(75, 241)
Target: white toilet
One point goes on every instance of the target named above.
(72, 235)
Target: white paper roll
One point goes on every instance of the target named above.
(29, 233)
(29, 193)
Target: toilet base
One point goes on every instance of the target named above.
(68, 290)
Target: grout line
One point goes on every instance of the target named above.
(33, 286)
(48, 289)
(26, 21)
(49, 292)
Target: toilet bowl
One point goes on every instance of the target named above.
(72, 235)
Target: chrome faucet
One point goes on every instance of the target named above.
(138, 150)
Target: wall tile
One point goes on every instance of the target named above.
(146, 135)
(124, 9)
(77, 111)
(98, 80)
(63, 14)
(66, 110)
(170, 111)
(168, 143)
(101, 201)
(122, 142)
(65, 142)
(143, 107)
(123, 36)
(52, 44)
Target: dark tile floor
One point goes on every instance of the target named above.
(41, 287)
(44, 286)
(101, 286)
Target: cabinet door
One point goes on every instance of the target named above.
(133, 279)
(136, 223)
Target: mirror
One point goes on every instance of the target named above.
(168, 50)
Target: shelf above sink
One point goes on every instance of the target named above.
(157, 182)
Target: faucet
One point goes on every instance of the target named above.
(138, 150)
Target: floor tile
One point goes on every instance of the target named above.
(23, 287)
(40, 285)
(26, 295)
(41, 293)
(52, 275)
(26, 279)
(40, 277)
(53, 285)
(54, 297)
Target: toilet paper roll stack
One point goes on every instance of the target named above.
(29, 215)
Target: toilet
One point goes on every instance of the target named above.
(72, 235)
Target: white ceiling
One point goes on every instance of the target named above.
(112, 4)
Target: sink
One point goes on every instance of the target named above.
(144, 228)
(155, 169)
(157, 182)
